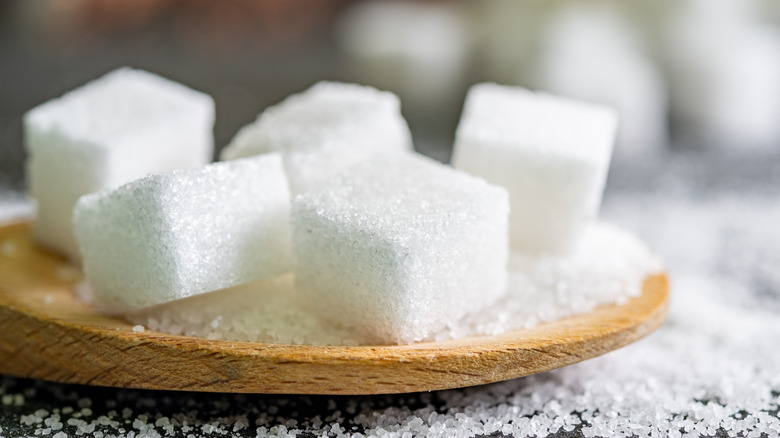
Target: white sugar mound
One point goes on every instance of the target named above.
(551, 154)
(265, 311)
(186, 232)
(400, 247)
(324, 130)
(111, 131)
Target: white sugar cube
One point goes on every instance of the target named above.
(324, 130)
(401, 247)
(113, 130)
(551, 154)
(185, 232)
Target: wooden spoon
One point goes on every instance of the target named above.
(46, 334)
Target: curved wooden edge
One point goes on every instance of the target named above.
(45, 334)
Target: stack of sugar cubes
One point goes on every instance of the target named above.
(377, 238)
(107, 133)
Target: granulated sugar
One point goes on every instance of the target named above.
(258, 312)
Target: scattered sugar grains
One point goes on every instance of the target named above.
(549, 152)
(400, 247)
(113, 130)
(185, 232)
(324, 130)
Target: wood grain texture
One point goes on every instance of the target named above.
(46, 334)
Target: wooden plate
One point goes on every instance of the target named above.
(46, 334)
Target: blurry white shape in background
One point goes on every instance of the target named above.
(505, 37)
(589, 54)
(418, 50)
(725, 66)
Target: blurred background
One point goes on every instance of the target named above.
(696, 170)
(691, 79)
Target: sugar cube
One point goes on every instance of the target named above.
(324, 130)
(551, 154)
(400, 247)
(186, 232)
(113, 130)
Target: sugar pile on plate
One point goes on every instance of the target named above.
(387, 246)
(265, 311)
